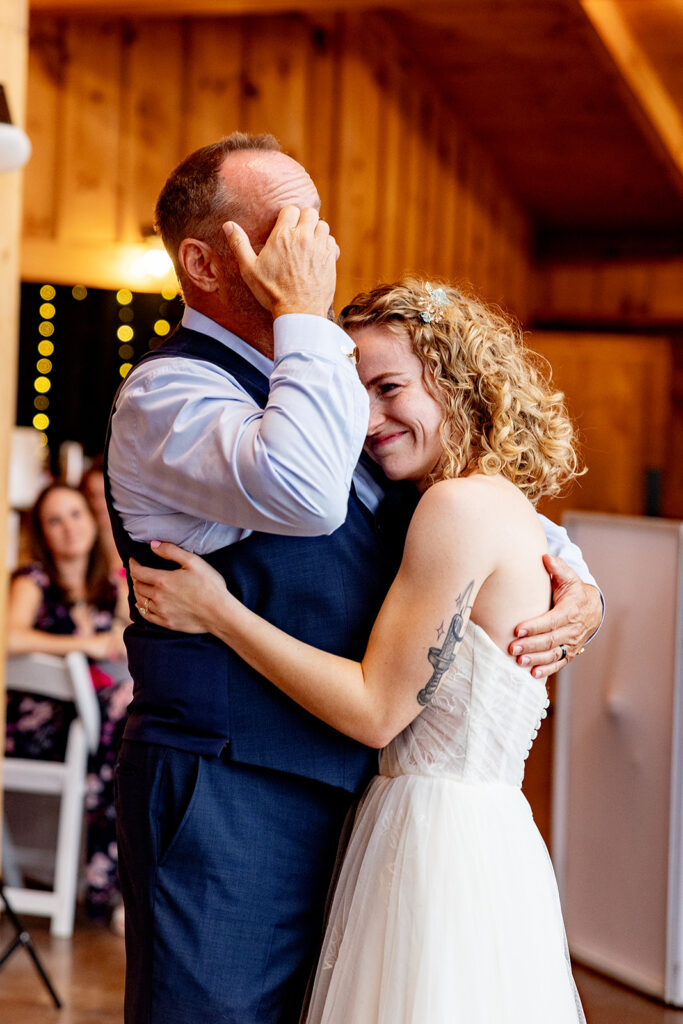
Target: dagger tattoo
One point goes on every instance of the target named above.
(441, 658)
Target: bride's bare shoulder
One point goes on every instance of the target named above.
(475, 509)
(458, 513)
(472, 496)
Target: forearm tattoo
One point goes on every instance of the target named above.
(441, 658)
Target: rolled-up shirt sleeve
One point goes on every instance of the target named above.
(187, 439)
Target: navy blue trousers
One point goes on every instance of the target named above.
(224, 872)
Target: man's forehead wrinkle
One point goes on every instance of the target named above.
(295, 190)
(270, 178)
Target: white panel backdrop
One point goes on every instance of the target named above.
(618, 757)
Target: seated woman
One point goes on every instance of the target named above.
(92, 486)
(66, 601)
(446, 907)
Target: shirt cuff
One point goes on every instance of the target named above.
(314, 335)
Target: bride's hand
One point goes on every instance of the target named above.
(183, 599)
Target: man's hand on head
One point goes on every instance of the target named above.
(296, 270)
(548, 642)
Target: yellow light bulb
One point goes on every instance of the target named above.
(47, 310)
(41, 384)
(47, 292)
(41, 421)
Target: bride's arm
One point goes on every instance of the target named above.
(427, 608)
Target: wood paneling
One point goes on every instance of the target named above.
(547, 101)
(229, 7)
(115, 104)
(627, 292)
(618, 394)
(656, 106)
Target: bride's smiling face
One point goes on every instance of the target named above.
(403, 433)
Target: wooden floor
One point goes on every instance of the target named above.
(88, 971)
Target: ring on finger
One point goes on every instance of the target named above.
(563, 652)
(145, 606)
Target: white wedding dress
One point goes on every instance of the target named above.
(446, 909)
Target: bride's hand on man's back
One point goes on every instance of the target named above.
(183, 599)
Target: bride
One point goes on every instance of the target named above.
(446, 907)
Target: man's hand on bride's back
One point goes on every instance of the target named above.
(183, 599)
(548, 642)
(296, 270)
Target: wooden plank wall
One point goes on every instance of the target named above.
(114, 104)
(626, 295)
(627, 291)
(618, 392)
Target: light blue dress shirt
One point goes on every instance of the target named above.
(194, 460)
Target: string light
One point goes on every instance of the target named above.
(124, 331)
(42, 383)
(79, 292)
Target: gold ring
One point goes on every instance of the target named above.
(146, 605)
(580, 652)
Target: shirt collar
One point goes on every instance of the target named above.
(196, 321)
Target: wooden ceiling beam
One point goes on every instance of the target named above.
(654, 104)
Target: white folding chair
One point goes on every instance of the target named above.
(62, 679)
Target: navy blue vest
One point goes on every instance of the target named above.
(193, 692)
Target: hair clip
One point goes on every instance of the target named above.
(434, 306)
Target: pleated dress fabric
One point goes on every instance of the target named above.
(446, 909)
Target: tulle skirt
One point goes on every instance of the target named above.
(446, 911)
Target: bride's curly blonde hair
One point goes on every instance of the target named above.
(500, 413)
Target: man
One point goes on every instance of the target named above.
(238, 439)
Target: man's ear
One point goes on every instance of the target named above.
(199, 261)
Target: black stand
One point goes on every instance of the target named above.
(24, 939)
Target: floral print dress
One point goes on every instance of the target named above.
(37, 727)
